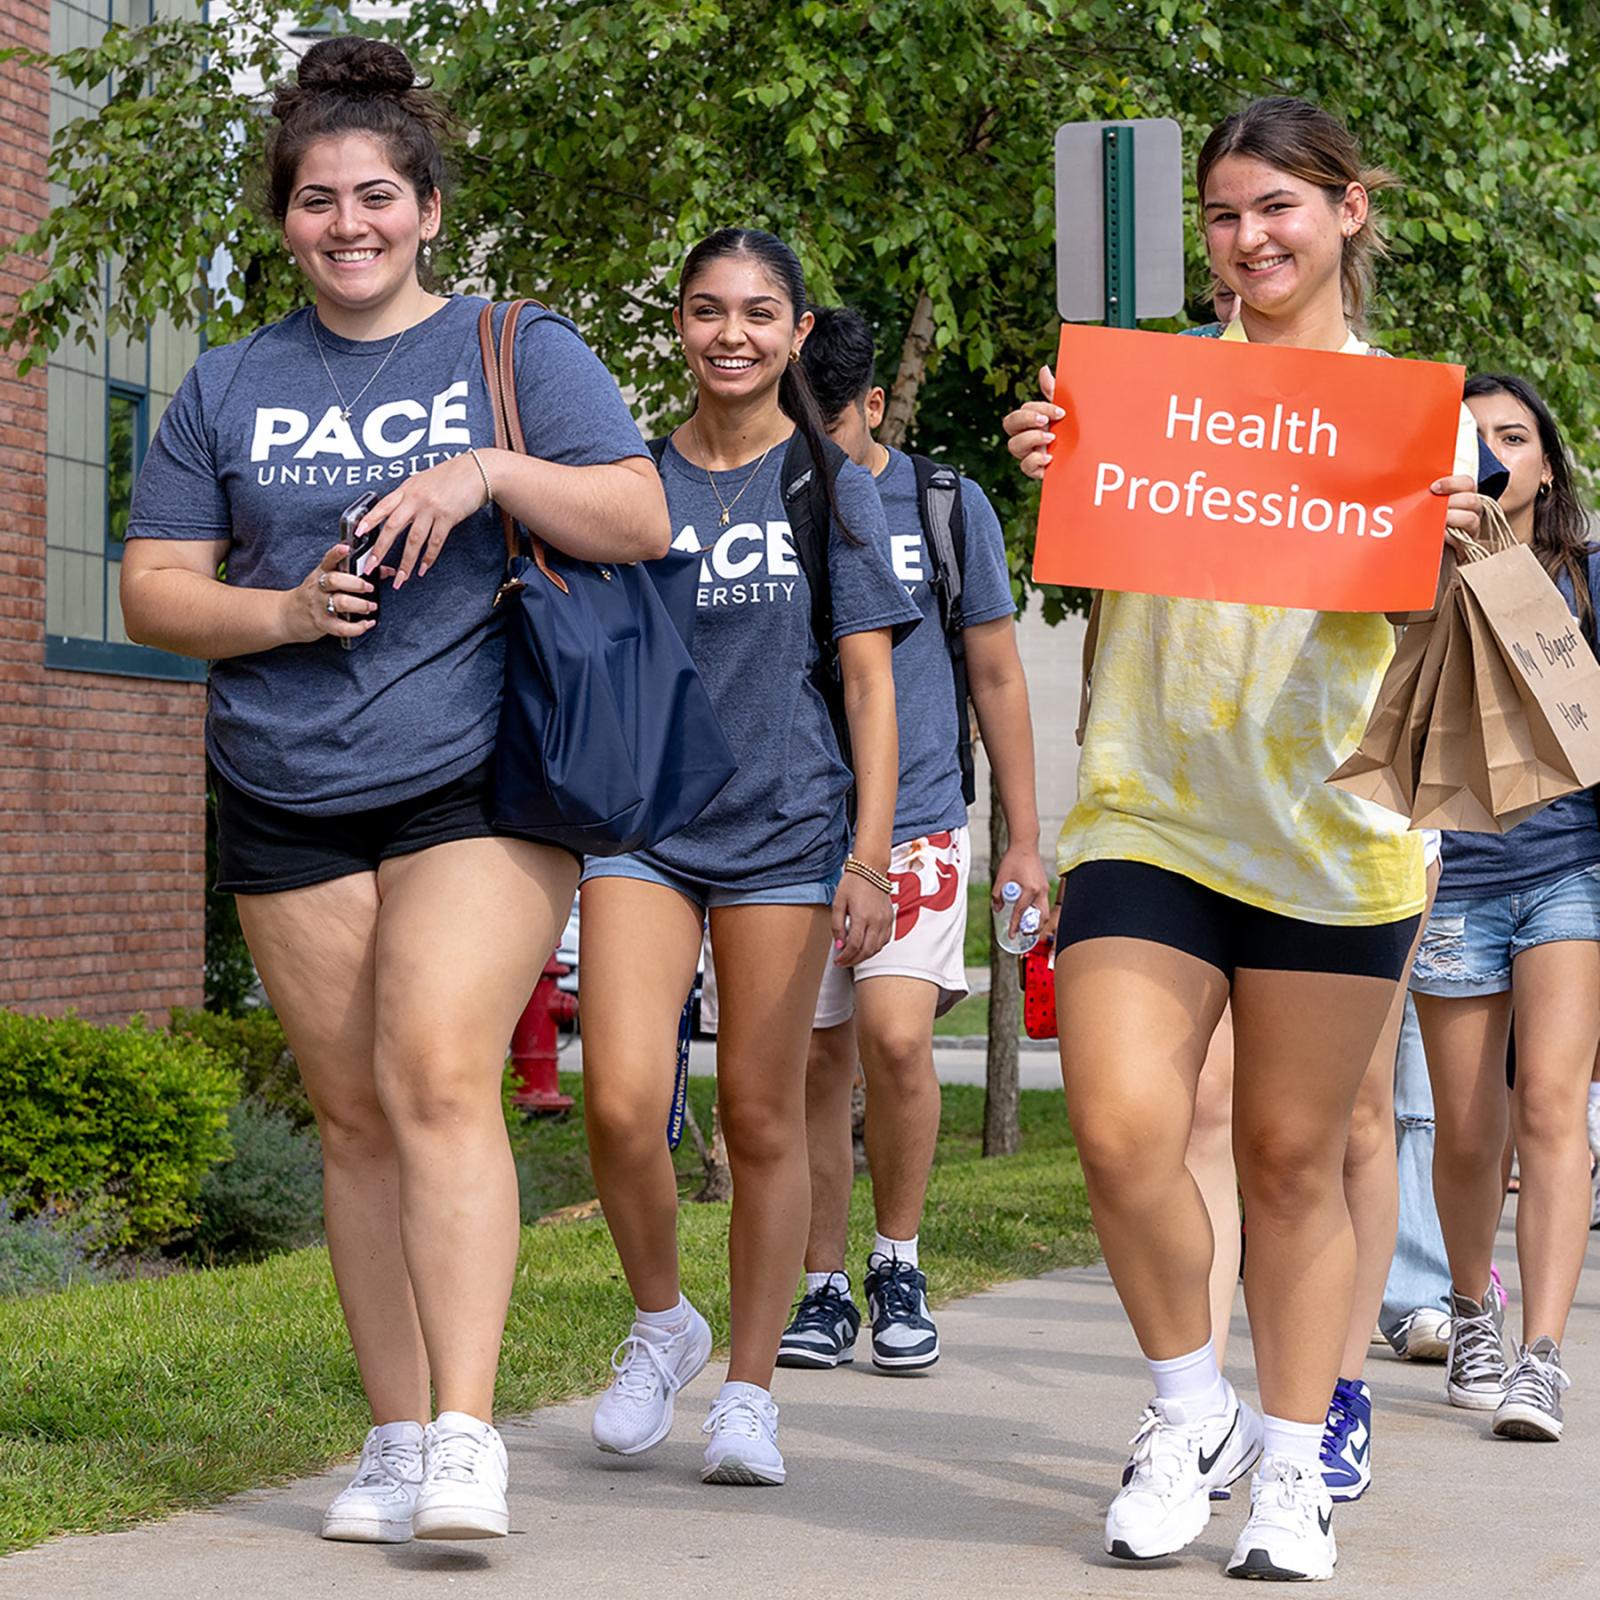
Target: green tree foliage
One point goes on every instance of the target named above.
(903, 146)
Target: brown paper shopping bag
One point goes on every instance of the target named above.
(1551, 667)
(1383, 767)
(1452, 779)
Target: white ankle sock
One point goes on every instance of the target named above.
(744, 1391)
(820, 1280)
(903, 1249)
(1194, 1381)
(673, 1320)
(1300, 1442)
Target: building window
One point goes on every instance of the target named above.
(105, 398)
(127, 411)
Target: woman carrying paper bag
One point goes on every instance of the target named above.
(1207, 860)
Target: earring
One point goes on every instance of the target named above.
(427, 251)
(1544, 490)
(794, 355)
(291, 258)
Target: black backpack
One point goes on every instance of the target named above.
(805, 499)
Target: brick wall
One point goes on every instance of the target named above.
(102, 799)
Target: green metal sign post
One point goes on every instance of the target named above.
(1116, 147)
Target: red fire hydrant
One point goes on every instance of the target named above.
(534, 1044)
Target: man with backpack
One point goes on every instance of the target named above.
(949, 552)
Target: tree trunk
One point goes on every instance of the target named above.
(1001, 1134)
(913, 368)
(719, 1175)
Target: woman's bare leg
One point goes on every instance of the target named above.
(1465, 1042)
(1136, 1020)
(1209, 1159)
(1302, 1042)
(640, 944)
(1557, 997)
(464, 930)
(314, 949)
(769, 969)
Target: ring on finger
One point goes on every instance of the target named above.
(322, 581)
(333, 610)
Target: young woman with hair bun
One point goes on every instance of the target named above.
(397, 932)
(1207, 863)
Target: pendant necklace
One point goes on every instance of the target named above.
(345, 410)
(727, 506)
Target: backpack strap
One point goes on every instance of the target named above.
(944, 529)
(805, 500)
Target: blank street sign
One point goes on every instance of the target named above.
(1080, 219)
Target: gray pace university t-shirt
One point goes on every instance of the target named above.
(781, 819)
(253, 449)
(930, 799)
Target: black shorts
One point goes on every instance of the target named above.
(1129, 900)
(265, 849)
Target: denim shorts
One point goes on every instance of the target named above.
(1470, 944)
(709, 897)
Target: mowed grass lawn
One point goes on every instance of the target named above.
(128, 1401)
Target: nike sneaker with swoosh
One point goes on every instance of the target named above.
(1176, 1463)
(1347, 1442)
(1289, 1534)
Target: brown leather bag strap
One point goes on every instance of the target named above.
(500, 377)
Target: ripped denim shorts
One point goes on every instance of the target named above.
(1469, 945)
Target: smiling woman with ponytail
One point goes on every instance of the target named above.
(771, 861)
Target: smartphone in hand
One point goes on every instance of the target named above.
(349, 519)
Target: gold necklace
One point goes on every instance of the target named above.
(726, 507)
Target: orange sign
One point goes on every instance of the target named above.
(1221, 470)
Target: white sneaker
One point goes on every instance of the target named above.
(744, 1438)
(1165, 1499)
(1593, 1119)
(464, 1476)
(1289, 1533)
(651, 1365)
(376, 1508)
(1427, 1334)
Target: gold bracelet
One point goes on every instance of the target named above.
(483, 472)
(878, 880)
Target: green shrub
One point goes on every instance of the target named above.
(267, 1196)
(100, 1120)
(39, 1254)
(252, 1043)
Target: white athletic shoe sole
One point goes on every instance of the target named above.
(1475, 1399)
(914, 1363)
(1526, 1422)
(366, 1530)
(460, 1522)
(814, 1360)
(744, 1474)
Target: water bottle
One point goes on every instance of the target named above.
(1027, 929)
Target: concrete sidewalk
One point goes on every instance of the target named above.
(986, 1477)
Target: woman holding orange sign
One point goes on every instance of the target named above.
(1206, 862)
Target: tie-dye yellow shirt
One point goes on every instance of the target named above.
(1211, 729)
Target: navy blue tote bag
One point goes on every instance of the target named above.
(608, 741)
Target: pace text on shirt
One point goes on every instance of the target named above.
(1252, 473)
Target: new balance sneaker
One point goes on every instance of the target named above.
(464, 1470)
(743, 1425)
(376, 1508)
(1425, 1335)
(822, 1332)
(651, 1366)
(1531, 1408)
(1347, 1441)
(1289, 1533)
(1176, 1464)
(904, 1338)
(1477, 1352)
